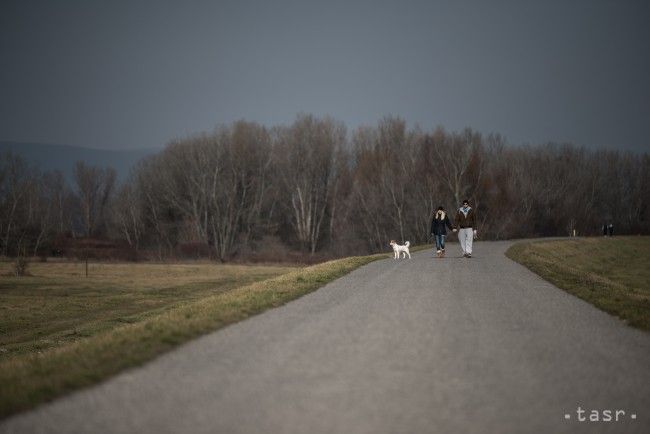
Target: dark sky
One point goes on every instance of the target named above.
(132, 74)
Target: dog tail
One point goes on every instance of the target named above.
(408, 243)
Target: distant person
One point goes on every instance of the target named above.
(610, 230)
(605, 230)
(439, 225)
(465, 225)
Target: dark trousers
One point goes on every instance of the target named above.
(440, 242)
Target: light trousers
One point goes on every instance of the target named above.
(465, 237)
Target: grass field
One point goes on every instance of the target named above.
(60, 331)
(56, 304)
(611, 273)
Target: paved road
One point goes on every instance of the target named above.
(424, 345)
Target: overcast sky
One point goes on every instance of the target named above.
(130, 74)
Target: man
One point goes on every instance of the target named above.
(465, 224)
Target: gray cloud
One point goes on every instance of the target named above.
(121, 74)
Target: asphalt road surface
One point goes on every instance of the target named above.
(425, 345)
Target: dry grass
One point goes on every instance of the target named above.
(610, 273)
(56, 304)
(29, 379)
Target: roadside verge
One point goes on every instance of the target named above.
(610, 273)
(29, 380)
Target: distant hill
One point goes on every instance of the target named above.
(63, 157)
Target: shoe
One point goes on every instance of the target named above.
(464, 255)
(469, 255)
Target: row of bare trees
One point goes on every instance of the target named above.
(313, 187)
(35, 207)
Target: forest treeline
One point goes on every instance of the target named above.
(312, 187)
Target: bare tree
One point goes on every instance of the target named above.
(217, 184)
(388, 193)
(127, 214)
(161, 221)
(240, 187)
(94, 188)
(61, 199)
(306, 158)
(15, 183)
(458, 154)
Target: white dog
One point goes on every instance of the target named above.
(397, 249)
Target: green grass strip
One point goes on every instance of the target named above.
(610, 273)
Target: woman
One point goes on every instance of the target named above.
(439, 225)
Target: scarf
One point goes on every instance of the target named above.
(465, 210)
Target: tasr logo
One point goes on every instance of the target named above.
(604, 415)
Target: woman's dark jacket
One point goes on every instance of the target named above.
(439, 226)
